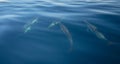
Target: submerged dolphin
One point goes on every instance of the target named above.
(67, 33)
(93, 29)
(28, 26)
(65, 30)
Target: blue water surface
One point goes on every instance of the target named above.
(41, 45)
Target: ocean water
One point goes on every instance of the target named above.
(41, 45)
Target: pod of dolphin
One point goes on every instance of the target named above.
(65, 30)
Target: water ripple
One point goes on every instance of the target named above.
(49, 46)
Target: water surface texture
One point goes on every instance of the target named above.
(42, 45)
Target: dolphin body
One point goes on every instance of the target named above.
(65, 31)
(93, 29)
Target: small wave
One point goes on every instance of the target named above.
(99, 1)
(61, 3)
(103, 11)
(8, 16)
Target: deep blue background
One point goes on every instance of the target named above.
(50, 46)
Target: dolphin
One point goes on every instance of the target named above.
(28, 26)
(67, 33)
(64, 30)
(94, 29)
